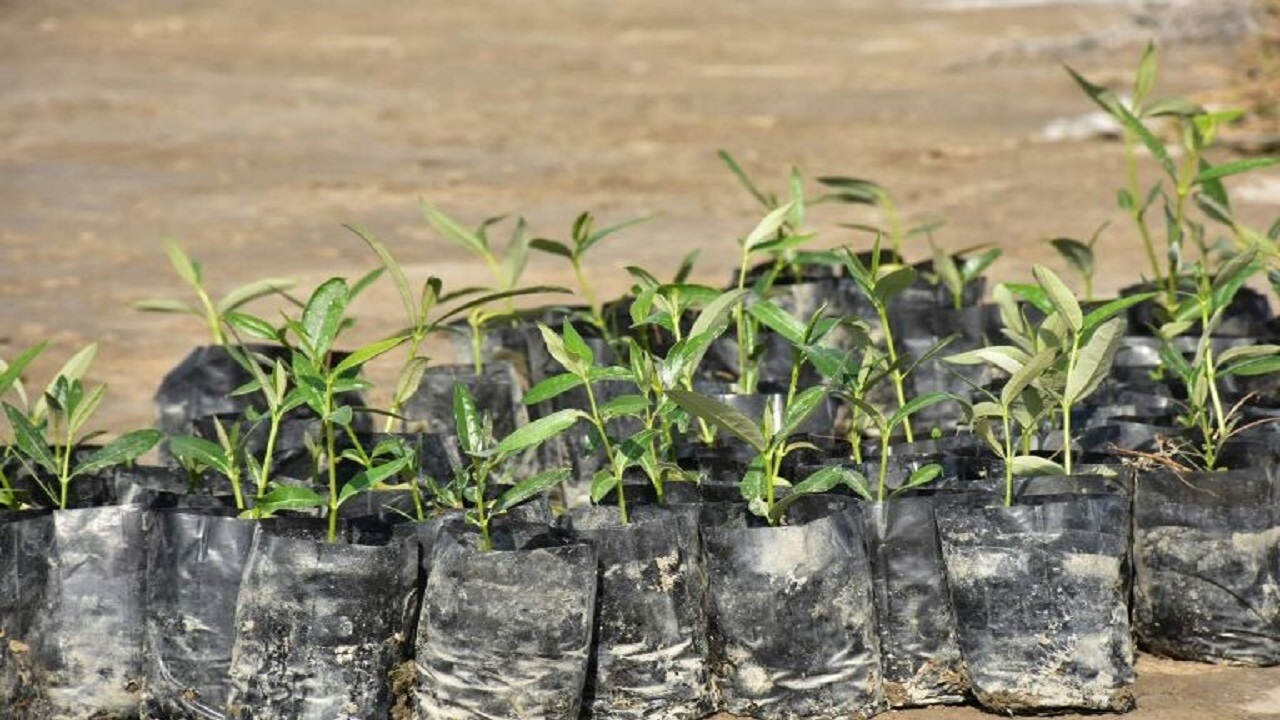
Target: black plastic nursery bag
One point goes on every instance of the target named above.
(1207, 565)
(919, 648)
(793, 628)
(649, 656)
(505, 634)
(317, 629)
(194, 564)
(74, 648)
(1040, 601)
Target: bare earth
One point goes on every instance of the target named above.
(251, 131)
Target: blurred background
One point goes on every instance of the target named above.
(250, 132)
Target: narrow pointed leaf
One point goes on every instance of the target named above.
(1214, 172)
(288, 497)
(182, 264)
(537, 432)
(778, 320)
(1093, 363)
(721, 415)
(189, 449)
(322, 317)
(1064, 301)
(371, 478)
(801, 407)
(360, 356)
(468, 424)
(123, 449)
(450, 230)
(30, 440)
(253, 291)
(767, 227)
(551, 387)
(1033, 466)
(915, 405)
(166, 306)
(529, 488)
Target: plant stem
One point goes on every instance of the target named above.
(746, 375)
(1008, 459)
(608, 449)
(1135, 191)
(896, 373)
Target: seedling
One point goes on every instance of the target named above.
(11, 379)
(582, 238)
(486, 456)
(772, 442)
(49, 435)
(1204, 410)
(426, 317)
(213, 313)
(1080, 256)
(1194, 180)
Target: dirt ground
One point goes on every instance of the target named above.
(252, 131)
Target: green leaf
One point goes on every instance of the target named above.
(917, 404)
(410, 379)
(778, 320)
(529, 488)
(1243, 352)
(252, 326)
(1033, 294)
(1005, 357)
(252, 291)
(602, 483)
(516, 256)
(166, 306)
(609, 374)
(30, 440)
(1033, 466)
(287, 497)
(1214, 172)
(800, 408)
(182, 264)
(601, 234)
(12, 371)
(393, 267)
(579, 347)
(819, 482)
(453, 232)
(553, 386)
(371, 478)
(1076, 253)
(341, 416)
(921, 476)
(1093, 363)
(1064, 301)
(360, 356)
(623, 405)
(1178, 107)
(552, 247)
(85, 407)
(854, 190)
(537, 432)
(1109, 310)
(559, 350)
(767, 227)
(1026, 375)
(1146, 78)
(1254, 366)
(1107, 100)
(894, 282)
(322, 318)
(716, 312)
(190, 449)
(719, 414)
(468, 424)
(123, 449)
(494, 297)
(737, 171)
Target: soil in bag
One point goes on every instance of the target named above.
(505, 634)
(317, 627)
(919, 648)
(649, 655)
(1207, 560)
(1040, 601)
(793, 631)
(194, 565)
(80, 652)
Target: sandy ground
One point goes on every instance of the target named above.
(252, 131)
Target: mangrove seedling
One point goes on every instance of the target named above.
(486, 456)
(49, 436)
(213, 312)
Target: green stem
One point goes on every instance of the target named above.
(1008, 459)
(746, 376)
(884, 466)
(598, 422)
(895, 375)
(1066, 405)
(1135, 191)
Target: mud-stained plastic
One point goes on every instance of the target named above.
(317, 628)
(793, 627)
(919, 647)
(195, 560)
(1040, 601)
(1207, 565)
(77, 652)
(649, 657)
(505, 634)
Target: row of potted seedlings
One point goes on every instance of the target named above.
(837, 485)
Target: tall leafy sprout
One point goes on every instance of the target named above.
(213, 312)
